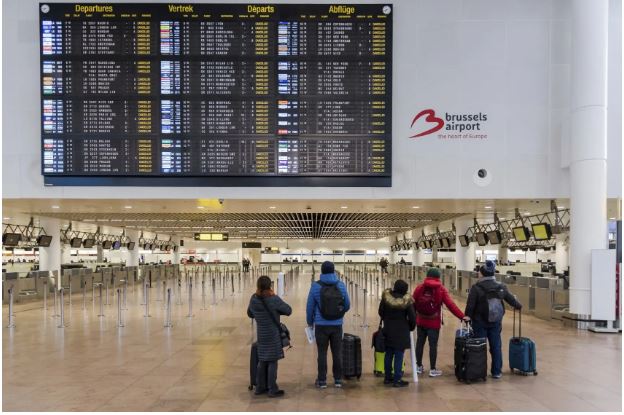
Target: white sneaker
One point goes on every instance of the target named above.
(420, 369)
(434, 373)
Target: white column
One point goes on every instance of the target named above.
(464, 256)
(132, 257)
(50, 257)
(588, 145)
(503, 254)
(176, 255)
(100, 254)
(65, 254)
(419, 257)
(434, 255)
(561, 253)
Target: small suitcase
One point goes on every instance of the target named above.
(470, 359)
(380, 369)
(522, 353)
(253, 367)
(351, 356)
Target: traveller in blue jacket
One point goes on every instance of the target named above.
(328, 301)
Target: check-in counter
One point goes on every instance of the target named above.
(551, 299)
(132, 274)
(9, 280)
(524, 290)
(86, 278)
(449, 279)
(465, 279)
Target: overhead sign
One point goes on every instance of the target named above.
(252, 245)
(211, 237)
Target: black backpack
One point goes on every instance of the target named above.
(494, 297)
(332, 302)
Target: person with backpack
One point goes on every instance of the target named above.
(266, 308)
(399, 319)
(485, 307)
(328, 301)
(383, 264)
(428, 300)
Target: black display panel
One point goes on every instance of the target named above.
(216, 94)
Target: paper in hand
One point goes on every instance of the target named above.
(309, 331)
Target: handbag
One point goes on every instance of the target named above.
(283, 330)
(379, 340)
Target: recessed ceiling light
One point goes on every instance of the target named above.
(609, 218)
(6, 218)
(271, 207)
(200, 207)
(127, 207)
(527, 213)
(55, 207)
(488, 207)
(415, 207)
(343, 207)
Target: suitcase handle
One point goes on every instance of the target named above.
(519, 322)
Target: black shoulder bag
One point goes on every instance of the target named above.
(283, 330)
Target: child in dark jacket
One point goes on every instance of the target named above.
(397, 313)
(428, 325)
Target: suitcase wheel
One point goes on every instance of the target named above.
(250, 387)
(358, 377)
(535, 373)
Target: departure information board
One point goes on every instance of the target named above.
(144, 94)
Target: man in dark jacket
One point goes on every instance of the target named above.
(485, 307)
(327, 332)
(397, 312)
(270, 350)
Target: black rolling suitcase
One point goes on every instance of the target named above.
(253, 366)
(351, 356)
(470, 359)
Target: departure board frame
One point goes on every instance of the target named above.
(156, 94)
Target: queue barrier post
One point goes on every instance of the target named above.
(119, 316)
(11, 324)
(62, 315)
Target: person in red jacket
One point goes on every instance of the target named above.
(428, 299)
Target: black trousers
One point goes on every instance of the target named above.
(422, 335)
(267, 373)
(329, 336)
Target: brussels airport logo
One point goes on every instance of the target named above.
(450, 126)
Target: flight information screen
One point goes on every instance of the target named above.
(216, 94)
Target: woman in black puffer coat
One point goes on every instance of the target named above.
(269, 341)
(399, 318)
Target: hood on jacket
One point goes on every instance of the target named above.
(396, 301)
(329, 278)
(432, 282)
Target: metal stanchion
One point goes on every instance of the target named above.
(45, 294)
(147, 301)
(203, 294)
(55, 302)
(84, 295)
(70, 291)
(62, 320)
(413, 357)
(232, 279)
(144, 290)
(125, 288)
(164, 294)
(168, 311)
(364, 320)
(119, 316)
(179, 296)
(106, 281)
(190, 299)
(11, 316)
(214, 291)
(101, 299)
(223, 287)
(357, 294)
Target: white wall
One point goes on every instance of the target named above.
(509, 59)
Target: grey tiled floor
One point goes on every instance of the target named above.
(202, 364)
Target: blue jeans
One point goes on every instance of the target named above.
(492, 331)
(397, 356)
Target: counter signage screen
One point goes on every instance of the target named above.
(463, 240)
(521, 234)
(541, 231)
(481, 238)
(494, 237)
(158, 94)
(75, 242)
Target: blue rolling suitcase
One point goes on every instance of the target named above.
(522, 355)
